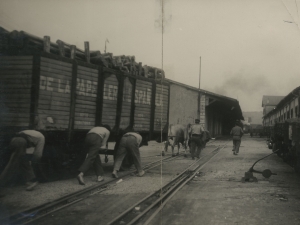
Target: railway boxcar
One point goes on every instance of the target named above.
(64, 97)
(286, 139)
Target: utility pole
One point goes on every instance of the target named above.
(199, 95)
(200, 73)
(105, 45)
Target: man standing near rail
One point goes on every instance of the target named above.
(196, 133)
(95, 140)
(236, 133)
(129, 144)
(22, 142)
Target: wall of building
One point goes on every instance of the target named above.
(184, 109)
(183, 105)
(287, 111)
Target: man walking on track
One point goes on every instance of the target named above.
(129, 144)
(236, 133)
(196, 133)
(24, 140)
(95, 140)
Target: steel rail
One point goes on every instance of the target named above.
(30, 215)
(169, 188)
(176, 190)
(151, 194)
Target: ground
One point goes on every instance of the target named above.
(215, 196)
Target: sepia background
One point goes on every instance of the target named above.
(247, 48)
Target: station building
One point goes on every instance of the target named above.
(287, 108)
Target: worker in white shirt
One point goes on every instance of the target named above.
(24, 140)
(129, 144)
(95, 140)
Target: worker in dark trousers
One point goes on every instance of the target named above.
(204, 139)
(95, 140)
(24, 140)
(129, 144)
(196, 132)
(236, 133)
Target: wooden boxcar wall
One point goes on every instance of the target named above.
(15, 84)
(142, 100)
(56, 94)
(86, 98)
(161, 107)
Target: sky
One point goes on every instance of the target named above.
(248, 48)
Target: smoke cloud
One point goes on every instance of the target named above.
(247, 88)
(244, 83)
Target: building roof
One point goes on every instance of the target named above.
(268, 109)
(288, 97)
(200, 90)
(271, 100)
(230, 104)
(292, 94)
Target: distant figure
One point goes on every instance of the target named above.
(129, 144)
(18, 162)
(236, 133)
(95, 140)
(196, 133)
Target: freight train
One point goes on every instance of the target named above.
(63, 92)
(282, 126)
(285, 137)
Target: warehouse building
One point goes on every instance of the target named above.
(217, 113)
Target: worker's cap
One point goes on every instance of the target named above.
(197, 120)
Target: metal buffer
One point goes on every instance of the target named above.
(249, 175)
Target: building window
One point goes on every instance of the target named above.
(296, 111)
(292, 113)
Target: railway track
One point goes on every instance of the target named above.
(146, 209)
(30, 215)
(34, 214)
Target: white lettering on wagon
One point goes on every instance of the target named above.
(158, 100)
(86, 87)
(83, 87)
(143, 96)
(110, 92)
(54, 84)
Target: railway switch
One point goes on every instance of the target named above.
(249, 174)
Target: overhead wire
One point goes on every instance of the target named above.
(297, 9)
(293, 20)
